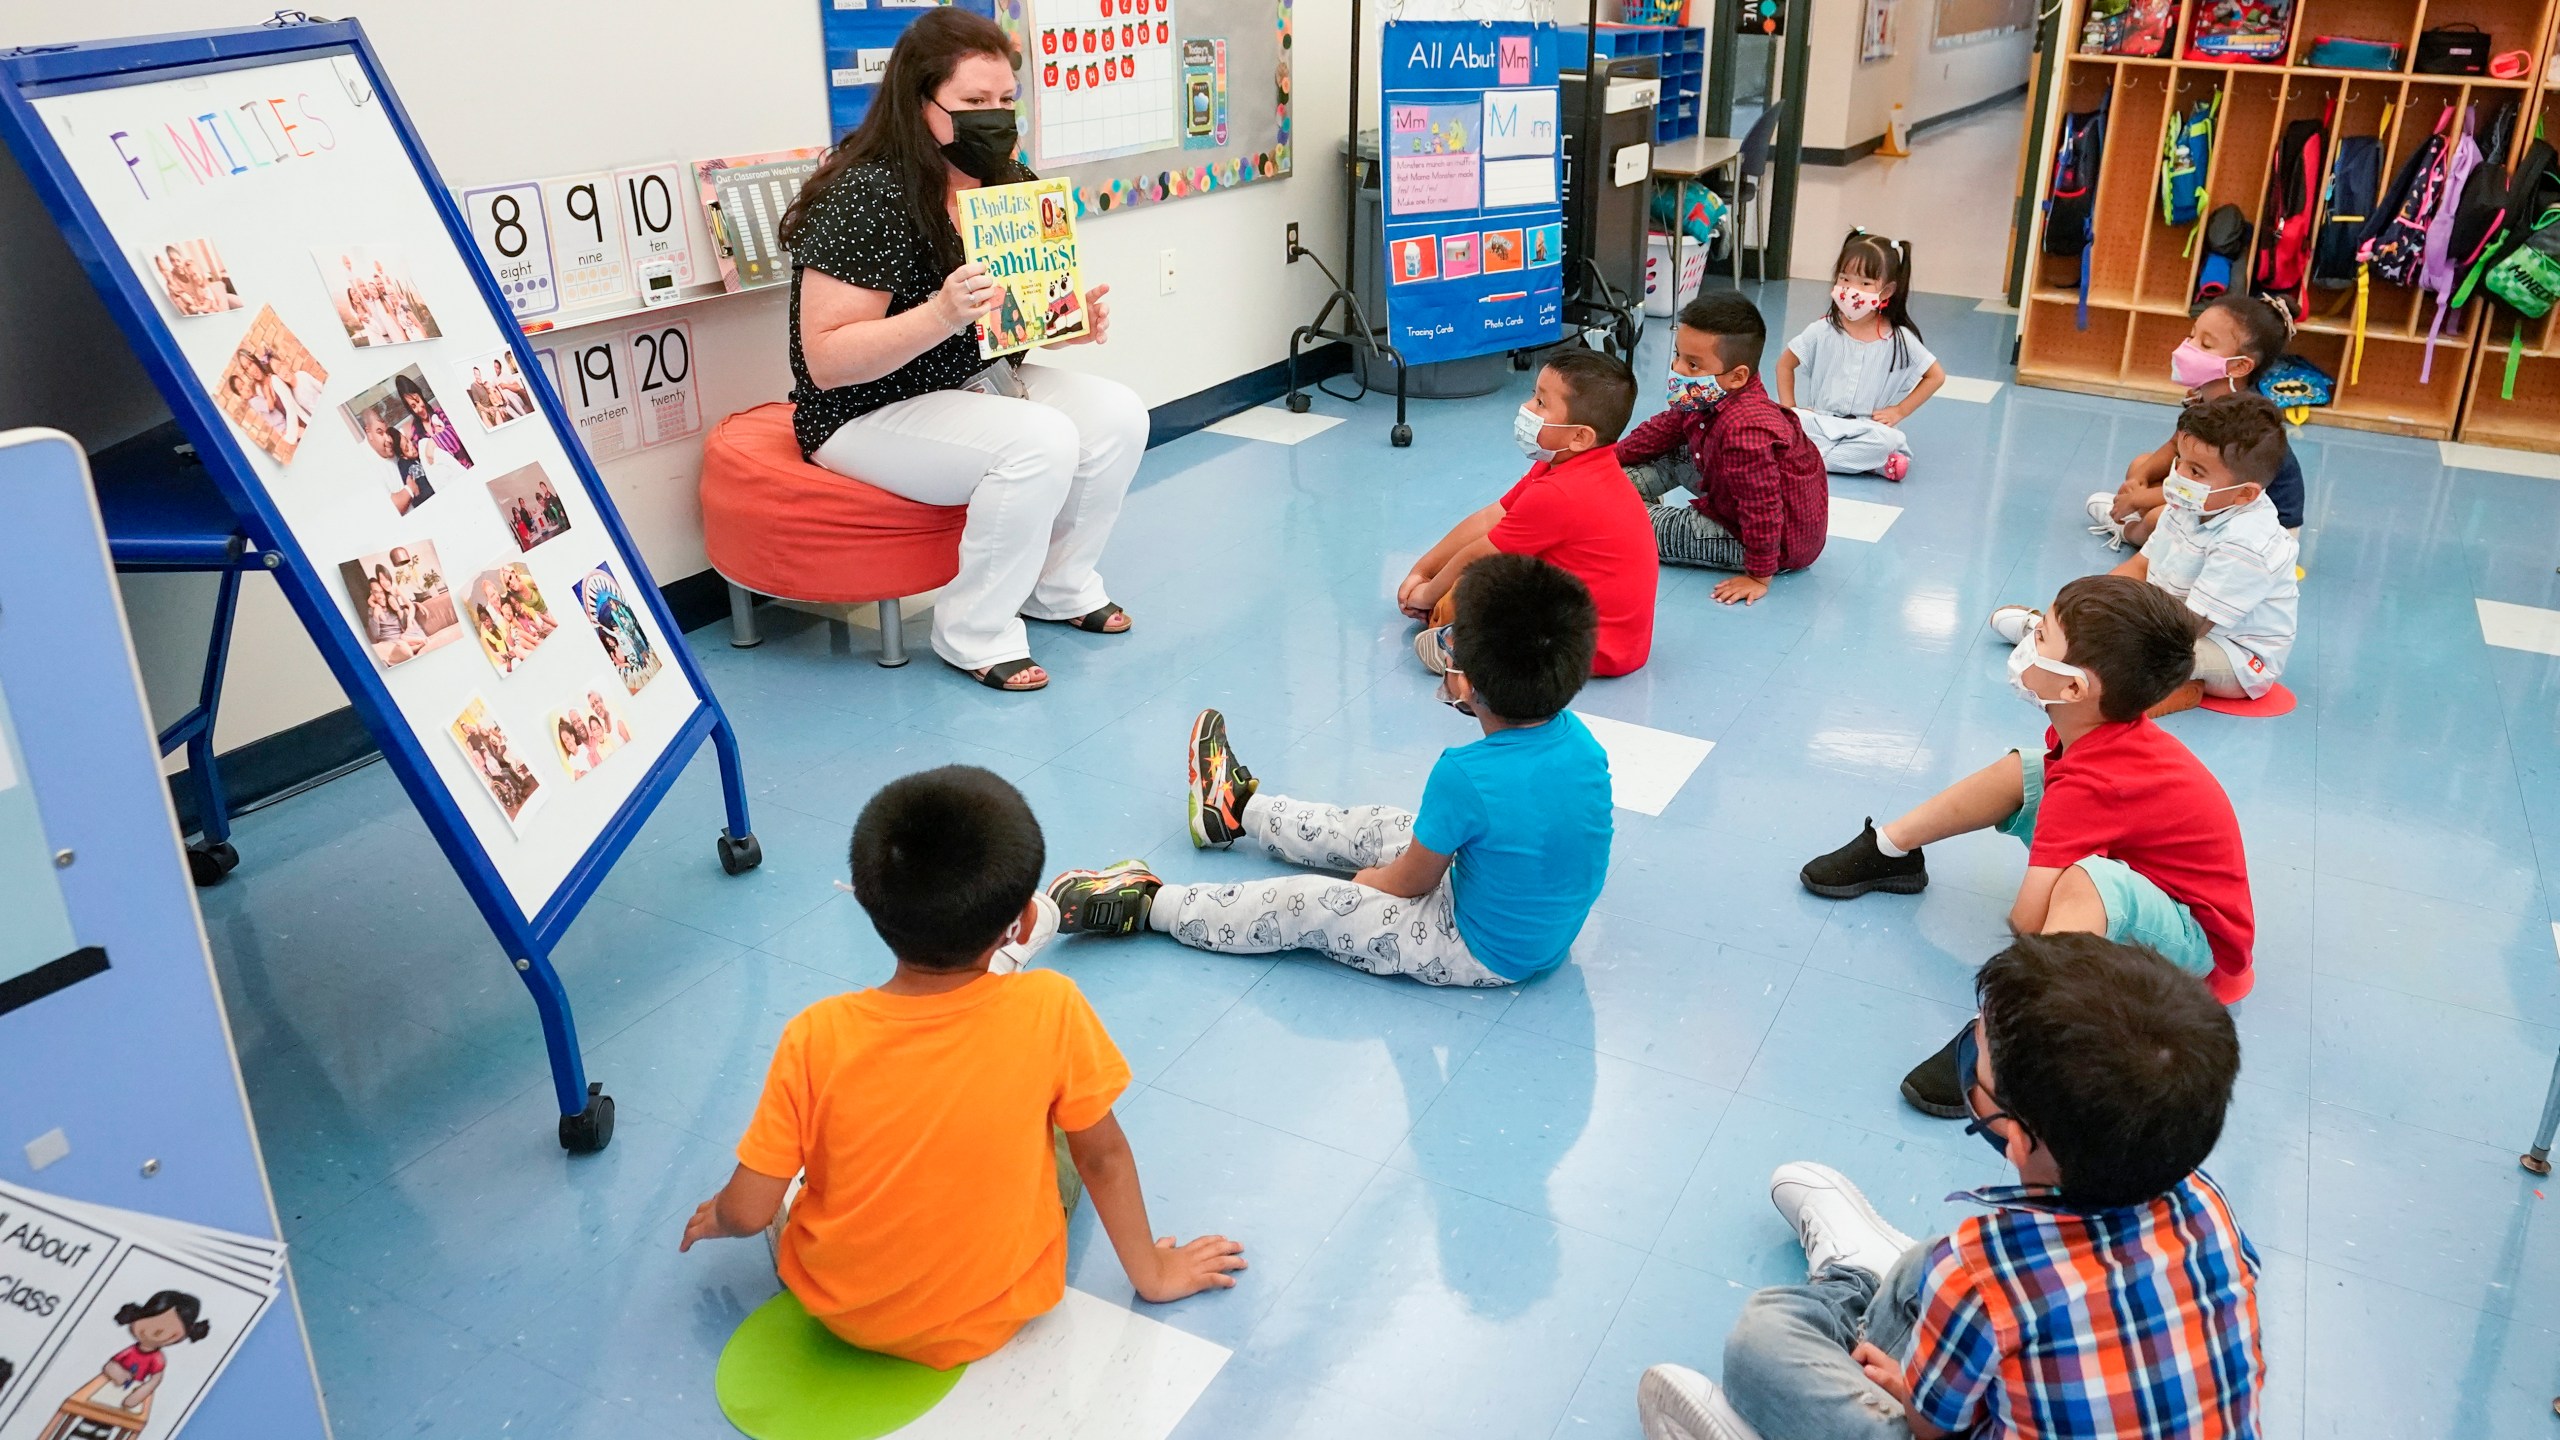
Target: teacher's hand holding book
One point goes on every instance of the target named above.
(1098, 321)
(966, 296)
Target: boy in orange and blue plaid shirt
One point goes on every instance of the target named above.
(2107, 1296)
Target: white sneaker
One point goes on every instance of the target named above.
(1016, 952)
(2010, 622)
(1677, 1403)
(2102, 517)
(1834, 1221)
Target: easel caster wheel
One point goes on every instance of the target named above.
(1298, 404)
(591, 1129)
(1401, 436)
(1519, 359)
(210, 865)
(2536, 1162)
(740, 855)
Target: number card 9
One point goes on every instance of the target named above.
(507, 223)
(586, 240)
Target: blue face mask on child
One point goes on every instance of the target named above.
(1691, 392)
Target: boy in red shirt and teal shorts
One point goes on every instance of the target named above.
(2127, 834)
(1574, 509)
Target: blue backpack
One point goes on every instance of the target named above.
(2183, 163)
(2071, 202)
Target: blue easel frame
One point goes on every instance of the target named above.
(586, 1113)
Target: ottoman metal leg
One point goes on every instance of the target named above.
(742, 618)
(893, 635)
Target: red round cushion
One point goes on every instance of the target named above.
(781, 526)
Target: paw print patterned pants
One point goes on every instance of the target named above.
(1366, 929)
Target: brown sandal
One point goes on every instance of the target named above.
(1000, 676)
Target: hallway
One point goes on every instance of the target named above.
(1953, 194)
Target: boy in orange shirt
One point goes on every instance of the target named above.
(928, 1226)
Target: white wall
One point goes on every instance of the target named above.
(1847, 100)
(581, 87)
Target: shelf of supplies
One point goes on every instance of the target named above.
(2245, 67)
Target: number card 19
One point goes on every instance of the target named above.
(506, 221)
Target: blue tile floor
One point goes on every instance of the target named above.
(1481, 1214)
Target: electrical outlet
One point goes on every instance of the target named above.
(1293, 242)
(1164, 272)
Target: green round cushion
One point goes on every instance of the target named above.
(784, 1376)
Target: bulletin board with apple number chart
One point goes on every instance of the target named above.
(1141, 101)
(263, 223)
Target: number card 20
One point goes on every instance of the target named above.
(507, 224)
(662, 381)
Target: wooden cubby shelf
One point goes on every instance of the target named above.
(2143, 272)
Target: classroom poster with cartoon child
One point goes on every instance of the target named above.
(153, 1337)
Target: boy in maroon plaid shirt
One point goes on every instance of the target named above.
(1762, 502)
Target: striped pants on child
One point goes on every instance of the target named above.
(1683, 534)
(1363, 928)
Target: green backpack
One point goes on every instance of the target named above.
(2527, 278)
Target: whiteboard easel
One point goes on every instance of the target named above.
(279, 157)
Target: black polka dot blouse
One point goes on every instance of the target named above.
(860, 232)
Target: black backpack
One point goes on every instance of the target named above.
(2483, 232)
(2071, 201)
(2354, 184)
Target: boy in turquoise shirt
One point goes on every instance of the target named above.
(1489, 885)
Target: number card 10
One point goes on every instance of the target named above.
(653, 222)
(506, 221)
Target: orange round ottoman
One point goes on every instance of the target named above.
(777, 525)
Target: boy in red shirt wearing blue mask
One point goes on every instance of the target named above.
(1574, 509)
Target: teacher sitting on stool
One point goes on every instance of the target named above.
(884, 348)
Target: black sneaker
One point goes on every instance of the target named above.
(1858, 867)
(1220, 785)
(1111, 901)
(1933, 1087)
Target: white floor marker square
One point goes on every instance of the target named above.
(2532, 464)
(1275, 424)
(2520, 627)
(1969, 390)
(1861, 519)
(1088, 1370)
(1647, 767)
(1995, 305)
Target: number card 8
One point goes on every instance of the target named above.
(507, 224)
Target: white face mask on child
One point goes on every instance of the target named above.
(1526, 426)
(2027, 657)
(2190, 495)
(1854, 303)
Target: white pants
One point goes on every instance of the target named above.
(1363, 928)
(1852, 444)
(1043, 478)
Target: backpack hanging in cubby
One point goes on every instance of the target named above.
(2395, 239)
(2355, 182)
(2437, 273)
(2071, 201)
(2183, 163)
(2521, 269)
(2493, 204)
(2284, 232)
(2226, 250)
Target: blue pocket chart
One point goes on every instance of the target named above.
(262, 222)
(116, 1072)
(1471, 149)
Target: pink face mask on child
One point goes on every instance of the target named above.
(2192, 365)
(1854, 303)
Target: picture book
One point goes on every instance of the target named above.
(1025, 235)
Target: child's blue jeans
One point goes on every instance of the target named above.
(1786, 1365)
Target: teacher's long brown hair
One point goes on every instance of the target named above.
(895, 133)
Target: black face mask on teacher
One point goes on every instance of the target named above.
(981, 143)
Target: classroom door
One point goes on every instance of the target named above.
(1757, 61)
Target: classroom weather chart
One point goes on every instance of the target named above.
(744, 198)
(38, 932)
(1474, 231)
(1107, 77)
